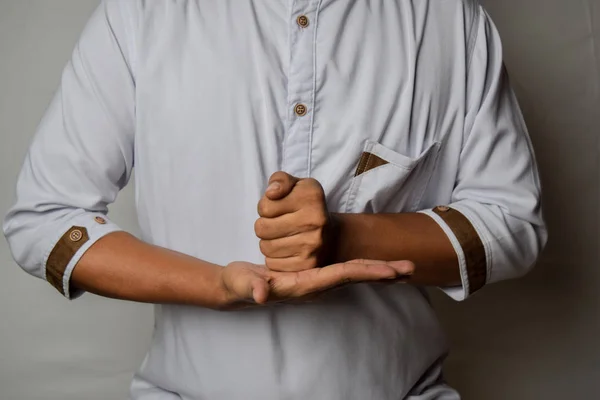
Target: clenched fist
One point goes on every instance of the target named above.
(294, 226)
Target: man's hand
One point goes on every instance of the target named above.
(294, 225)
(245, 284)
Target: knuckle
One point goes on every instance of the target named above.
(311, 263)
(316, 240)
(314, 194)
(312, 189)
(279, 176)
(271, 263)
(306, 252)
(263, 207)
(312, 182)
(260, 227)
(265, 247)
(320, 219)
(311, 243)
(314, 221)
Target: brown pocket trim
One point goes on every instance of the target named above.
(62, 253)
(470, 243)
(369, 161)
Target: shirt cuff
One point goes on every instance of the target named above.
(469, 249)
(76, 238)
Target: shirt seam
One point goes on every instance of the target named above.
(289, 96)
(314, 90)
(473, 37)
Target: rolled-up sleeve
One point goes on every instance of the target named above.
(495, 219)
(81, 155)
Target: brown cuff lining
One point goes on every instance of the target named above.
(471, 244)
(62, 254)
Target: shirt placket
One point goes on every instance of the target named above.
(296, 158)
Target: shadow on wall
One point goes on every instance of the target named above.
(538, 337)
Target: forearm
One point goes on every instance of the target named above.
(410, 236)
(121, 266)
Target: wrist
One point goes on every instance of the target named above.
(225, 298)
(212, 293)
(333, 235)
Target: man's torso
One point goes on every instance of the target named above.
(217, 89)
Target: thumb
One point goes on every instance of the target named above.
(280, 185)
(260, 290)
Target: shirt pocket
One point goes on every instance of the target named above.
(387, 181)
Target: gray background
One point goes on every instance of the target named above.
(536, 338)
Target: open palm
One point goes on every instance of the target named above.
(250, 283)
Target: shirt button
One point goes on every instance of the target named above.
(302, 21)
(100, 220)
(300, 110)
(76, 235)
(443, 208)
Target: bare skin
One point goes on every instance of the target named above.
(307, 251)
(121, 266)
(297, 233)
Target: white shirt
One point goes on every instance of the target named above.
(207, 98)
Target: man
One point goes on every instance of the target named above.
(279, 146)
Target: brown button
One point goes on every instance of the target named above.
(300, 110)
(302, 21)
(100, 220)
(76, 235)
(443, 208)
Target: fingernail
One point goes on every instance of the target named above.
(274, 186)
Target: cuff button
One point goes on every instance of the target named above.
(76, 235)
(443, 208)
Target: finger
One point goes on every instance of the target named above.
(283, 226)
(285, 247)
(260, 291)
(305, 194)
(291, 264)
(268, 208)
(339, 274)
(304, 244)
(403, 268)
(280, 185)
